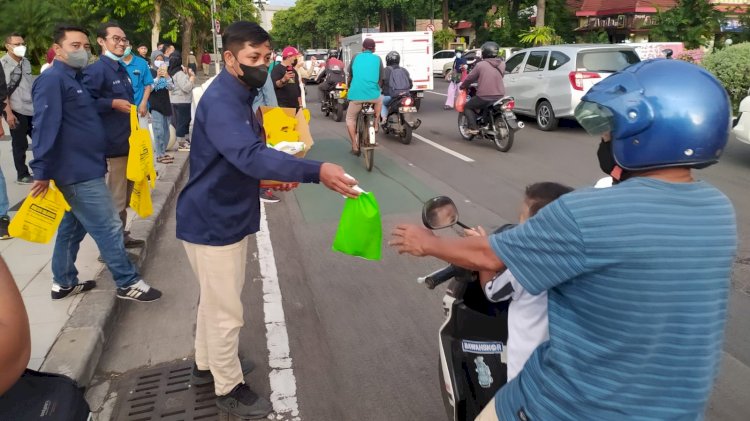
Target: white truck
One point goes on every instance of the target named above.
(415, 49)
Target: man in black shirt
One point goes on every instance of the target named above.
(286, 80)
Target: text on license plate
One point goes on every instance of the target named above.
(407, 109)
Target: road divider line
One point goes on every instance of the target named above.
(282, 380)
(443, 148)
(437, 93)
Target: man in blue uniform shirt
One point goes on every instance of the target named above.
(109, 83)
(219, 208)
(69, 147)
(140, 78)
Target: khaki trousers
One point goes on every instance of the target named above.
(119, 185)
(221, 275)
(488, 413)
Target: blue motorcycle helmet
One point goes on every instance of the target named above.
(659, 113)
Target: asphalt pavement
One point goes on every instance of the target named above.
(362, 336)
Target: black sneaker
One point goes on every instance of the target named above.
(139, 291)
(266, 195)
(243, 402)
(4, 222)
(203, 377)
(27, 179)
(60, 292)
(132, 243)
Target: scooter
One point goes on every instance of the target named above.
(472, 340)
(497, 122)
(335, 102)
(402, 117)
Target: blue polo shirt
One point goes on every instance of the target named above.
(69, 141)
(107, 79)
(140, 77)
(638, 277)
(365, 71)
(220, 203)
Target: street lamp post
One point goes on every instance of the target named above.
(214, 34)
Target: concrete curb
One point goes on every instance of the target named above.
(79, 345)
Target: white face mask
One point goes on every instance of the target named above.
(19, 51)
(458, 55)
(158, 63)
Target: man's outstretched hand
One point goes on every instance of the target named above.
(334, 177)
(411, 239)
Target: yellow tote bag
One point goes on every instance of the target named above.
(140, 199)
(39, 217)
(141, 155)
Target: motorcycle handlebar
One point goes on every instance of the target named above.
(438, 277)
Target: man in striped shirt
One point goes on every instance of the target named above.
(637, 275)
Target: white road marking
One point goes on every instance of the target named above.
(283, 382)
(436, 93)
(443, 148)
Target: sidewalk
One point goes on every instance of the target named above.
(29, 263)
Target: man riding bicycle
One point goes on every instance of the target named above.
(365, 74)
(488, 74)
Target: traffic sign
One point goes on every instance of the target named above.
(430, 27)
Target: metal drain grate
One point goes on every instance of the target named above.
(164, 393)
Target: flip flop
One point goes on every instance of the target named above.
(355, 152)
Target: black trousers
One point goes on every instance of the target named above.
(473, 108)
(20, 143)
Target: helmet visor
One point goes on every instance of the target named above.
(594, 118)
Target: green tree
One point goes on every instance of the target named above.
(694, 22)
(731, 65)
(540, 35)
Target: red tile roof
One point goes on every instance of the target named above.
(611, 7)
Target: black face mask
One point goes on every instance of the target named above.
(294, 63)
(253, 76)
(606, 158)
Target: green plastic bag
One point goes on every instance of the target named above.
(360, 231)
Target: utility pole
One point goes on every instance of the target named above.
(432, 13)
(214, 34)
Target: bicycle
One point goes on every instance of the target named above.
(366, 134)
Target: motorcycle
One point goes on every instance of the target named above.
(497, 122)
(335, 102)
(472, 340)
(402, 117)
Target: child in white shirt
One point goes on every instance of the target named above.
(528, 325)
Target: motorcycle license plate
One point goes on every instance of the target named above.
(341, 100)
(420, 94)
(407, 109)
(510, 115)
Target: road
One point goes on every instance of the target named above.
(362, 335)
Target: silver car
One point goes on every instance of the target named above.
(549, 82)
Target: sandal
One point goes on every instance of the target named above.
(355, 152)
(165, 160)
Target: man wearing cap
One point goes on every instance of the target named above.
(286, 80)
(365, 73)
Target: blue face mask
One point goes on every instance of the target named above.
(128, 50)
(112, 55)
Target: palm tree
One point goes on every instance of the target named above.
(540, 6)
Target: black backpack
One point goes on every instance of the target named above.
(398, 82)
(44, 396)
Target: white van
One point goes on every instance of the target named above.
(415, 49)
(548, 82)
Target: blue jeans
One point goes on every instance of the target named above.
(384, 110)
(160, 123)
(91, 212)
(4, 203)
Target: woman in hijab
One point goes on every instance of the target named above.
(181, 97)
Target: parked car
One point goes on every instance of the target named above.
(441, 58)
(549, 82)
(741, 124)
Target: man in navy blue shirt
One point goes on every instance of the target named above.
(69, 148)
(109, 83)
(219, 208)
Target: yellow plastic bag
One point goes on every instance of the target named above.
(39, 217)
(140, 199)
(141, 155)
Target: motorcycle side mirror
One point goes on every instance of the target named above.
(440, 212)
